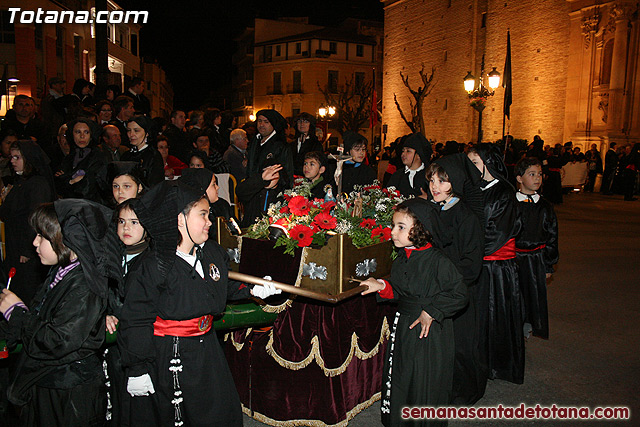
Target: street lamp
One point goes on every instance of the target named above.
(479, 94)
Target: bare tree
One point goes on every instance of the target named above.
(416, 124)
(352, 103)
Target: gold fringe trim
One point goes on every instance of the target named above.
(285, 305)
(312, 423)
(238, 346)
(315, 353)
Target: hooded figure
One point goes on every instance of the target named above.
(32, 186)
(84, 168)
(305, 141)
(269, 147)
(410, 179)
(58, 375)
(499, 284)
(203, 180)
(458, 233)
(166, 326)
(143, 151)
(428, 289)
(133, 170)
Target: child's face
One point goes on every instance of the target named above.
(198, 222)
(130, 231)
(440, 190)
(312, 169)
(409, 158)
(359, 152)
(196, 163)
(531, 181)
(212, 190)
(402, 224)
(45, 251)
(124, 188)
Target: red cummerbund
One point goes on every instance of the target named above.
(508, 251)
(183, 328)
(542, 246)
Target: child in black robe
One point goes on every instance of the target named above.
(429, 291)
(355, 171)
(416, 155)
(166, 339)
(536, 245)
(134, 242)
(457, 231)
(58, 377)
(499, 277)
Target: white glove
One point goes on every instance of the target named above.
(140, 386)
(265, 291)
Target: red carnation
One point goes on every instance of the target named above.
(384, 233)
(284, 209)
(325, 221)
(368, 223)
(303, 234)
(299, 205)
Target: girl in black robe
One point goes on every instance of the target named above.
(457, 231)
(32, 186)
(168, 347)
(58, 377)
(536, 246)
(429, 291)
(499, 275)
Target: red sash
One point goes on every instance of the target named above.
(542, 246)
(508, 251)
(183, 328)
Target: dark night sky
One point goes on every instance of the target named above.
(193, 40)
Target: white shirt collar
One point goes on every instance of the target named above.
(412, 173)
(191, 260)
(264, 140)
(55, 94)
(525, 197)
(489, 185)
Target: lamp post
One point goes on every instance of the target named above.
(479, 94)
(325, 113)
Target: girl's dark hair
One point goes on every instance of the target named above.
(127, 204)
(45, 222)
(28, 169)
(417, 235)
(187, 209)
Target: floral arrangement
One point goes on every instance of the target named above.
(478, 103)
(365, 215)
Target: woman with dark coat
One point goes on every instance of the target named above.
(305, 141)
(82, 174)
(32, 186)
(140, 130)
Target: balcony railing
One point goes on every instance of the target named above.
(295, 88)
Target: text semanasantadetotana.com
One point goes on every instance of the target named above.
(516, 412)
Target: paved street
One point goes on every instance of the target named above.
(594, 310)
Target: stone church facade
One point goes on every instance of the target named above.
(575, 68)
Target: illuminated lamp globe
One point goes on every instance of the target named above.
(494, 79)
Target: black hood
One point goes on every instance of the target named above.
(418, 142)
(421, 209)
(492, 159)
(198, 178)
(38, 159)
(158, 211)
(86, 231)
(94, 128)
(277, 121)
